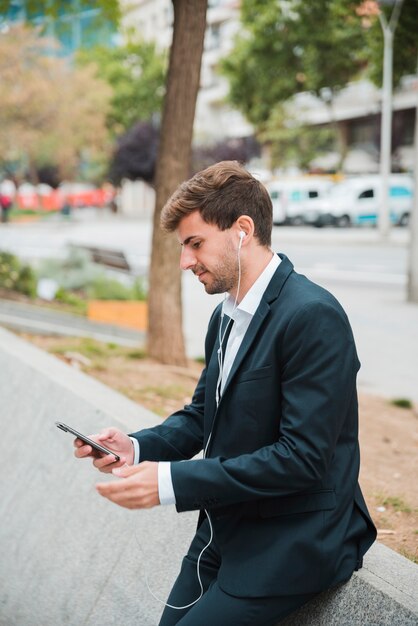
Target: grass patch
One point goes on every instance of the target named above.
(17, 212)
(409, 555)
(93, 349)
(396, 503)
(168, 393)
(136, 354)
(402, 403)
(162, 400)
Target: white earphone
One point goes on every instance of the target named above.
(241, 237)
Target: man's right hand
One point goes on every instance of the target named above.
(110, 438)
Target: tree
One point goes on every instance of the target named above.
(405, 45)
(136, 73)
(241, 149)
(293, 143)
(135, 155)
(289, 47)
(165, 335)
(50, 113)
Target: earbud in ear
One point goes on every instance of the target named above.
(241, 238)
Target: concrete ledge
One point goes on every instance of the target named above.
(67, 557)
(382, 593)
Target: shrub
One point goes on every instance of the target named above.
(16, 276)
(72, 299)
(78, 277)
(103, 288)
(403, 403)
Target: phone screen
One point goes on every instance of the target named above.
(90, 442)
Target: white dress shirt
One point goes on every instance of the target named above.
(242, 314)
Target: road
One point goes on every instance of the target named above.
(366, 275)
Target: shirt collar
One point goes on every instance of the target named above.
(252, 299)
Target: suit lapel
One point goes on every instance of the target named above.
(271, 293)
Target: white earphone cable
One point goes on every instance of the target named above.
(186, 606)
(221, 337)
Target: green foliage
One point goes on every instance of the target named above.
(405, 45)
(403, 403)
(72, 273)
(93, 349)
(76, 303)
(103, 288)
(292, 143)
(136, 354)
(136, 74)
(109, 9)
(16, 276)
(293, 46)
(78, 278)
(288, 47)
(397, 503)
(51, 113)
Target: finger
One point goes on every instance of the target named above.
(83, 451)
(107, 434)
(107, 463)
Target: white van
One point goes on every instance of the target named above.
(357, 201)
(291, 198)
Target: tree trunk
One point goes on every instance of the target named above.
(165, 332)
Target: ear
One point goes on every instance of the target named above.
(244, 224)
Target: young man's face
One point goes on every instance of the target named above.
(210, 253)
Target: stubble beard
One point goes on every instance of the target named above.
(225, 273)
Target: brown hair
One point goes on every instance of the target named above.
(221, 193)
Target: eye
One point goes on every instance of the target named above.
(196, 245)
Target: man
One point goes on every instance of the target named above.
(275, 413)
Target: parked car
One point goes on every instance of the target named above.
(292, 198)
(357, 201)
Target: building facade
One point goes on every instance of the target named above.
(215, 120)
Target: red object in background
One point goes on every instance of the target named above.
(90, 197)
(53, 201)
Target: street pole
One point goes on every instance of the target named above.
(413, 224)
(386, 133)
(388, 29)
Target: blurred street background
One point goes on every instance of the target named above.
(324, 116)
(368, 276)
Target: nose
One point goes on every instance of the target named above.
(187, 258)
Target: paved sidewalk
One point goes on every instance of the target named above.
(38, 320)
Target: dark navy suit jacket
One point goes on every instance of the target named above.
(280, 480)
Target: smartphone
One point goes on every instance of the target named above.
(90, 442)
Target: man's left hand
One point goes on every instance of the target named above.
(137, 489)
